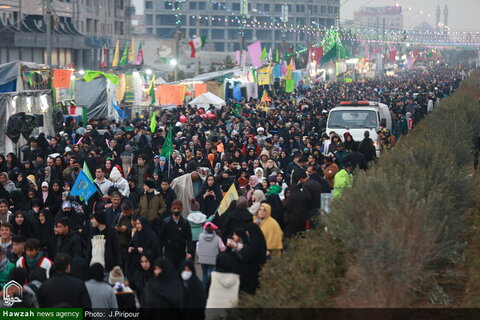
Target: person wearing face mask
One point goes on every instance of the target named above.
(194, 296)
(176, 236)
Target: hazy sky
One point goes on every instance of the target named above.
(463, 14)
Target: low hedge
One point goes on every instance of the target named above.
(399, 227)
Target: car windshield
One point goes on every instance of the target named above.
(353, 119)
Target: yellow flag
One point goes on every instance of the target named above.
(227, 199)
(116, 56)
(131, 53)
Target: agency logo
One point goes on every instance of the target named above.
(11, 292)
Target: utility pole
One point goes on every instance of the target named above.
(243, 12)
(197, 30)
(177, 49)
(49, 32)
(285, 20)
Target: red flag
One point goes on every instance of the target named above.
(318, 54)
(103, 54)
(393, 55)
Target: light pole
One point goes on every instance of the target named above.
(49, 31)
(243, 13)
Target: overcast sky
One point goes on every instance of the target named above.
(463, 14)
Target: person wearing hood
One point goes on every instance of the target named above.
(270, 228)
(194, 297)
(223, 284)
(6, 182)
(120, 182)
(151, 205)
(196, 219)
(257, 198)
(264, 156)
(164, 290)
(208, 247)
(176, 236)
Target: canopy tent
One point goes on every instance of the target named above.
(26, 99)
(98, 96)
(207, 99)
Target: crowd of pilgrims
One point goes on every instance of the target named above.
(151, 236)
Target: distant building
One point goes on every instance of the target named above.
(80, 29)
(389, 17)
(222, 29)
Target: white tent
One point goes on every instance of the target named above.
(206, 99)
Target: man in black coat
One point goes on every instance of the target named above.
(176, 236)
(103, 239)
(167, 193)
(313, 190)
(67, 241)
(63, 289)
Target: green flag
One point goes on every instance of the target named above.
(123, 60)
(331, 55)
(264, 54)
(277, 56)
(90, 75)
(153, 123)
(151, 90)
(167, 147)
(84, 116)
(344, 53)
(87, 171)
(289, 85)
(254, 74)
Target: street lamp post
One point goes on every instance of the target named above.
(49, 31)
(244, 13)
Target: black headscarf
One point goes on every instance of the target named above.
(193, 291)
(141, 276)
(164, 291)
(209, 205)
(146, 239)
(19, 200)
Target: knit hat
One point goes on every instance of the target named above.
(44, 184)
(116, 275)
(194, 205)
(149, 183)
(100, 216)
(177, 204)
(119, 132)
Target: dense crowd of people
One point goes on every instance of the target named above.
(153, 222)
